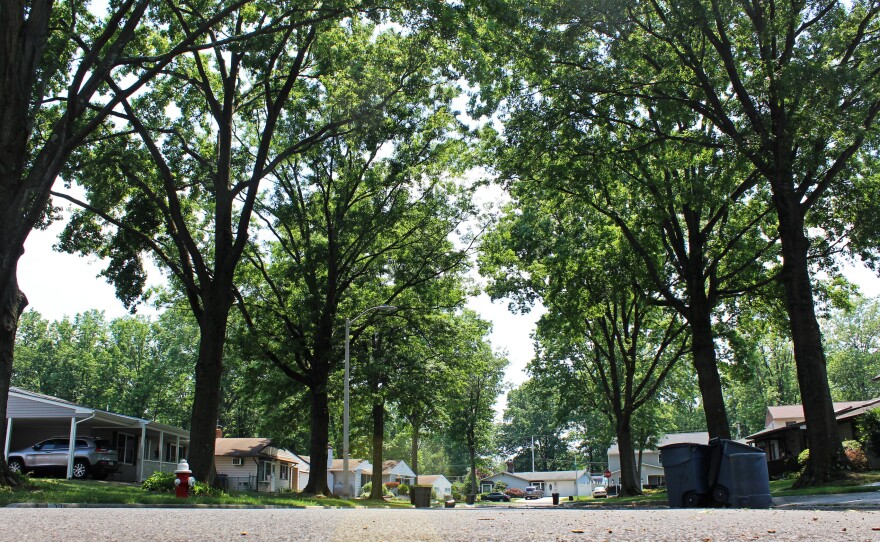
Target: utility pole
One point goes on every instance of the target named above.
(533, 453)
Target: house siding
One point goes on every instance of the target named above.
(21, 407)
(239, 477)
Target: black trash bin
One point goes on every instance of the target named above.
(471, 498)
(422, 495)
(555, 499)
(738, 475)
(686, 467)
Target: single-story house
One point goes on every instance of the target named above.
(359, 473)
(303, 470)
(396, 470)
(652, 465)
(441, 486)
(254, 464)
(143, 446)
(566, 483)
(784, 436)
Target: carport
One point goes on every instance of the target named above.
(143, 446)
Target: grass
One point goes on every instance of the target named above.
(54, 491)
(854, 482)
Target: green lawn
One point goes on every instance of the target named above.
(46, 490)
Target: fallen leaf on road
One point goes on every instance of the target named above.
(771, 531)
(842, 530)
(573, 530)
(243, 533)
(478, 519)
(872, 528)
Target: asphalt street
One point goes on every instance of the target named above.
(480, 524)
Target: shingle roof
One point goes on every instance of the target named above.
(548, 476)
(352, 464)
(797, 411)
(428, 478)
(251, 447)
(697, 437)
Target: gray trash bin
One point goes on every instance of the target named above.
(685, 467)
(738, 475)
(421, 495)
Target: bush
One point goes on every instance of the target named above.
(160, 481)
(201, 489)
(515, 493)
(403, 489)
(856, 455)
(500, 487)
(392, 485)
(803, 457)
(367, 488)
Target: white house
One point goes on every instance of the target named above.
(566, 483)
(652, 467)
(254, 464)
(359, 473)
(143, 446)
(303, 465)
(438, 482)
(396, 470)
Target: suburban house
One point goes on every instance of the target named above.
(143, 446)
(396, 470)
(359, 473)
(652, 465)
(303, 470)
(254, 464)
(441, 486)
(784, 435)
(566, 483)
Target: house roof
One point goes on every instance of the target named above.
(390, 464)
(352, 464)
(251, 447)
(429, 478)
(842, 411)
(797, 411)
(21, 404)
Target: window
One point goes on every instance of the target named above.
(264, 471)
(237, 461)
(284, 472)
(125, 447)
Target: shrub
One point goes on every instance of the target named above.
(515, 493)
(856, 455)
(403, 489)
(201, 489)
(367, 488)
(500, 486)
(392, 485)
(803, 457)
(160, 481)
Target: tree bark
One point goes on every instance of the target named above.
(377, 492)
(629, 486)
(826, 449)
(472, 456)
(12, 304)
(414, 451)
(206, 396)
(320, 429)
(706, 366)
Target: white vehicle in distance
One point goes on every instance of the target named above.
(599, 492)
(533, 492)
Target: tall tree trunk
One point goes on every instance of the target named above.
(629, 486)
(706, 366)
(414, 450)
(826, 449)
(472, 456)
(377, 492)
(320, 428)
(206, 397)
(12, 304)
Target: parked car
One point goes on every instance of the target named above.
(599, 492)
(533, 492)
(496, 497)
(92, 456)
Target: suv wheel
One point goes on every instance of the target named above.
(80, 469)
(16, 466)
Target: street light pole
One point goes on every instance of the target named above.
(346, 395)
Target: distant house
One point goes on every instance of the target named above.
(652, 466)
(438, 482)
(254, 464)
(784, 436)
(396, 470)
(566, 482)
(359, 473)
(143, 446)
(303, 464)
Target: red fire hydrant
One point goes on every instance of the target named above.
(184, 481)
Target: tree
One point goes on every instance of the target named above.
(55, 62)
(359, 220)
(762, 76)
(853, 341)
(180, 179)
(479, 384)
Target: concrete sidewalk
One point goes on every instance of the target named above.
(869, 501)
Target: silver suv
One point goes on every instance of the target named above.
(92, 456)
